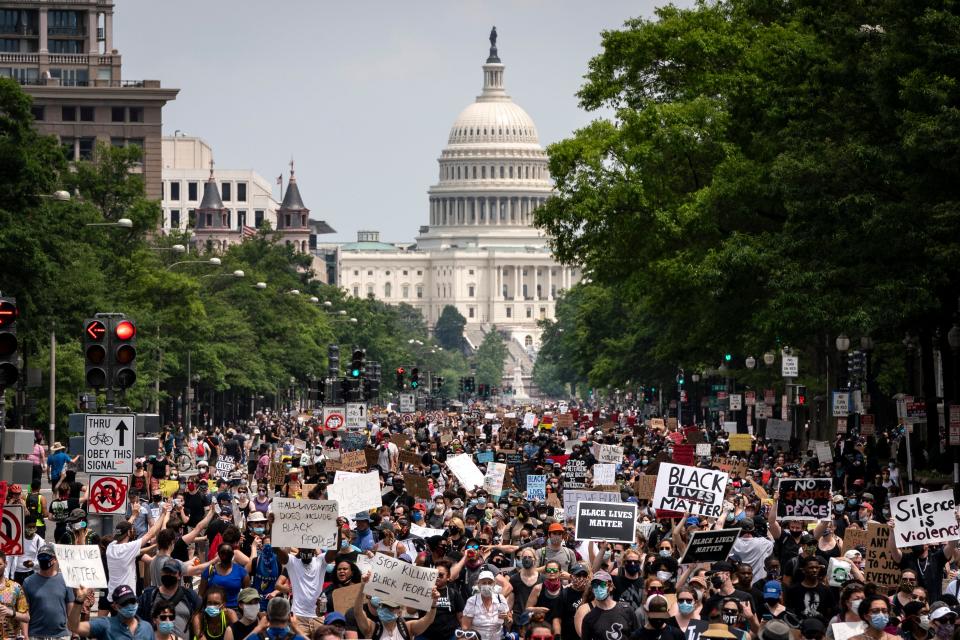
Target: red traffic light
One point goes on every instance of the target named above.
(125, 330)
(96, 330)
(8, 313)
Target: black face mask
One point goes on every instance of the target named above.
(169, 581)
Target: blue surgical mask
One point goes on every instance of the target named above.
(165, 626)
(600, 591)
(212, 611)
(386, 615)
(127, 611)
(686, 608)
(879, 621)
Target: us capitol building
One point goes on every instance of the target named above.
(480, 252)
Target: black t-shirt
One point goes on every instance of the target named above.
(608, 624)
(809, 602)
(449, 604)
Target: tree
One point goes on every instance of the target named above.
(490, 358)
(449, 328)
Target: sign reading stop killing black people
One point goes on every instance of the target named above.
(689, 490)
(924, 518)
(610, 521)
(710, 546)
(805, 499)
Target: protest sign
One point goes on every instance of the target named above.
(304, 524)
(689, 490)
(804, 498)
(493, 480)
(353, 461)
(683, 454)
(466, 471)
(924, 518)
(610, 521)
(81, 565)
(604, 474)
(741, 442)
(572, 497)
(703, 450)
(417, 486)
(401, 583)
(779, 429)
(610, 453)
(355, 493)
(710, 546)
(575, 474)
(537, 487)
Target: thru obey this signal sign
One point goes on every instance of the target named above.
(108, 494)
(108, 444)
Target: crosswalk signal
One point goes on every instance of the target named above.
(95, 343)
(124, 339)
(414, 378)
(9, 364)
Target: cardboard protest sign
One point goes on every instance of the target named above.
(741, 442)
(610, 453)
(572, 496)
(924, 518)
(81, 565)
(575, 474)
(805, 498)
(710, 546)
(401, 583)
(690, 490)
(304, 524)
(353, 461)
(417, 486)
(355, 493)
(604, 474)
(493, 480)
(610, 521)
(466, 471)
(537, 487)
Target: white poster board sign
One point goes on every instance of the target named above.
(400, 583)
(354, 493)
(604, 474)
(81, 565)
(493, 481)
(689, 490)
(304, 524)
(924, 518)
(466, 471)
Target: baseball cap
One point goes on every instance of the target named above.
(658, 608)
(123, 595)
(248, 595)
(772, 590)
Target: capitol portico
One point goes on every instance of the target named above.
(480, 252)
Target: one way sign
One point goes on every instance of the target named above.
(108, 443)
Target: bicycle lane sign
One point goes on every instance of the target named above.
(109, 443)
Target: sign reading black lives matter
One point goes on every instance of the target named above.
(690, 490)
(924, 518)
(610, 521)
(710, 546)
(805, 499)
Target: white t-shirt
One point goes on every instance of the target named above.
(486, 622)
(122, 565)
(306, 582)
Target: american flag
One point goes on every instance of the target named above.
(248, 232)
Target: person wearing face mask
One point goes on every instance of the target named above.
(249, 616)
(390, 625)
(875, 612)
(124, 624)
(307, 572)
(226, 574)
(601, 616)
(170, 590)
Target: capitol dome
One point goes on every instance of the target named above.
(493, 171)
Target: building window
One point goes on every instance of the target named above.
(86, 148)
(68, 114)
(86, 114)
(192, 191)
(471, 312)
(174, 190)
(258, 218)
(175, 218)
(37, 111)
(136, 114)
(387, 290)
(226, 191)
(470, 290)
(509, 312)
(118, 114)
(419, 291)
(241, 191)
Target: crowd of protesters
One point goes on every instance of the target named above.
(192, 559)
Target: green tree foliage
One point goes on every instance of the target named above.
(772, 173)
(449, 328)
(490, 358)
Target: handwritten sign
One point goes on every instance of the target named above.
(924, 518)
(400, 583)
(304, 524)
(81, 565)
(689, 490)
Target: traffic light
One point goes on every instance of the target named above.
(95, 343)
(356, 363)
(401, 382)
(801, 395)
(414, 378)
(9, 365)
(124, 346)
(333, 361)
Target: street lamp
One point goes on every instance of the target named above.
(213, 262)
(123, 223)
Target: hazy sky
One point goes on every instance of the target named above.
(361, 94)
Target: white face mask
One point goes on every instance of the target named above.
(250, 611)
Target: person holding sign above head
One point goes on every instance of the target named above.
(389, 624)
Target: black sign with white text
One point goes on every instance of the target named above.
(610, 521)
(710, 546)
